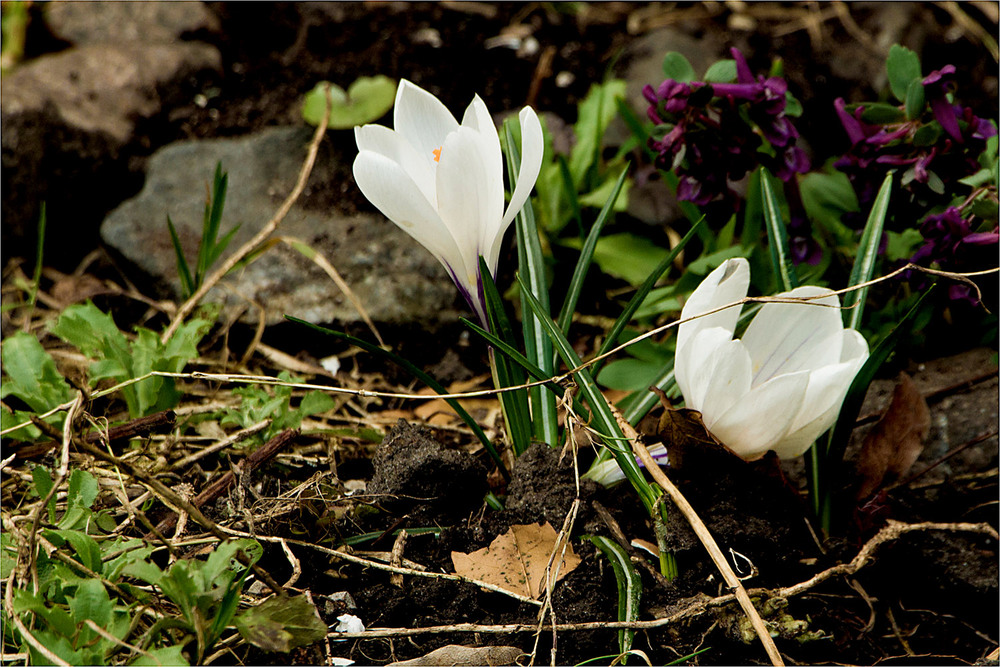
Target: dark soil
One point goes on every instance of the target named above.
(929, 598)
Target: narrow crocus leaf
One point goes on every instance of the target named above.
(629, 586)
(864, 261)
(420, 375)
(586, 255)
(516, 414)
(183, 272)
(777, 235)
(602, 418)
(537, 346)
(611, 338)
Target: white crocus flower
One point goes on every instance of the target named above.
(778, 387)
(442, 182)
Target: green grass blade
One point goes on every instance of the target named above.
(514, 403)
(183, 272)
(537, 346)
(864, 262)
(611, 339)
(637, 127)
(213, 219)
(629, 586)
(777, 235)
(586, 256)
(36, 275)
(601, 417)
(420, 375)
(570, 191)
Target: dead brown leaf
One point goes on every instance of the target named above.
(893, 445)
(455, 655)
(516, 560)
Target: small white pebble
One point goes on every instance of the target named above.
(349, 623)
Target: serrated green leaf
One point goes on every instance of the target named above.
(366, 100)
(86, 548)
(677, 67)
(31, 373)
(903, 67)
(91, 602)
(162, 657)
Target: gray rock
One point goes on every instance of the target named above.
(395, 279)
(69, 124)
(148, 22)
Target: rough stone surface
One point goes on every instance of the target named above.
(68, 130)
(395, 279)
(148, 22)
(415, 474)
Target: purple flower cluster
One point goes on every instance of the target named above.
(934, 151)
(716, 132)
(950, 244)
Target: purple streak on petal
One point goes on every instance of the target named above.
(851, 124)
(944, 113)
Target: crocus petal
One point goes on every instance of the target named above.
(394, 193)
(726, 284)
(761, 418)
(382, 140)
(824, 396)
(700, 361)
(789, 337)
(463, 181)
(422, 119)
(477, 117)
(609, 472)
(722, 382)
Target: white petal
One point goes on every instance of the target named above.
(532, 147)
(463, 184)
(422, 119)
(394, 146)
(393, 192)
(760, 420)
(478, 118)
(789, 337)
(694, 364)
(726, 284)
(724, 381)
(823, 399)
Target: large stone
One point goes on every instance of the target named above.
(69, 128)
(395, 279)
(147, 22)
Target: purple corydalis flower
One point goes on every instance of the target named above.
(441, 181)
(937, 85)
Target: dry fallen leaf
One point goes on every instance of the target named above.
(895, 442)
(455, 655)
(516, 560)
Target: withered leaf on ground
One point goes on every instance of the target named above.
(893, 445)
(455, 655)
(516, 560)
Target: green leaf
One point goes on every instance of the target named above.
(281, 624)
(902, 245)
(723, 71)
(602, 418)
(903, 67)
(595, 113)
(31, 373)
(86, 548)
(43, 485)
(543, 416)
(879, 113)
(91, 602)
(583, 262)
(627, 256)
(366, 100)
(827, 197)
(864, 262)
(157, 657)
(677, 67)
(777, 235)
(629, 374)
(513, 403)
(629, 586)
(316, 402)
(183, 272)
(914, 100)
(420, 375)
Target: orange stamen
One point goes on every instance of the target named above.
(437, 154)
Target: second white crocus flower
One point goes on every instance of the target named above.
(778, 387)
(442, 181)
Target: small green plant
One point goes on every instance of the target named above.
(367, 99)
(211, 247)
(119, 358)
(257, 403)
(30, 376)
